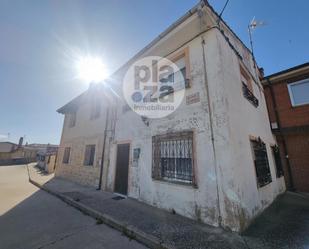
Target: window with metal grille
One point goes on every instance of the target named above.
(173, 157)
(66, 155)
(247, 87)
(95, 110)
(89, 155)
(277, 159)
(261, 162)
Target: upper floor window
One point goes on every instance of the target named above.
(72, 119)
(66, 155)
(173, 157)
(261, 164)
(247, 87)
(299, 92)
(89, 155)
(246, 79)
(95, 110)
(181, 78)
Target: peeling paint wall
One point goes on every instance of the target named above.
(234, 119)
(224, 167)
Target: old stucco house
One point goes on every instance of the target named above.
(210, 160)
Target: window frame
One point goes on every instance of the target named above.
(71, 123)
(96, 110)
(290, 85)
(157, 169)
(278, 167)
(247, 77)
(68, 157)
(247, 87)
(257, 177)
(87, 161)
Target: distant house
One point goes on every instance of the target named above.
(46, 158)
(47, 161)
(287, 96)
(11, 153)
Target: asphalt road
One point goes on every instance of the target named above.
(31, 218)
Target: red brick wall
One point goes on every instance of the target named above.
(289, 116)
(297, 143)
(298, 149)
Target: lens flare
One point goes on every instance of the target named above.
(91, 69)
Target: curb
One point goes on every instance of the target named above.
(128, 230)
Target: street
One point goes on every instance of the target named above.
(31, 218)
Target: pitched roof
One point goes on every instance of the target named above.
(73, 104)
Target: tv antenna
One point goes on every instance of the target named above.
(251, 27)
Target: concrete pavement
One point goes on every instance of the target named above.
(31, 218)
(285, 224)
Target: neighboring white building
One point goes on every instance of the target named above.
(225, 173)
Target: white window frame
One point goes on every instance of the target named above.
(291, 92)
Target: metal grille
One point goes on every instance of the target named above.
(261, 163)
(172, 157)
(249, 95)
(276, 153)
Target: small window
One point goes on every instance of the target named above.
(89, 155)
(66, 155)
(178, 80)
(261, 164)
(277, 160)
(246, 79)
(299, 92)
(173, 157)
(95, 110)
(72, 120)
(247, 88)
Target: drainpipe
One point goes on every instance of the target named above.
(103, 149)
(285, 150)
(212, 132)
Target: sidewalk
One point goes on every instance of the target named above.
(154, 227)
(285, 224)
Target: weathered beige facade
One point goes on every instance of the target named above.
(215, 109)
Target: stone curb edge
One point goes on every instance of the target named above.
(128, 230)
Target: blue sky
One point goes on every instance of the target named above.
(39, 40)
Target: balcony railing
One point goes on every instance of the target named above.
(249, 95)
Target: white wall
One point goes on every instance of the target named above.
(230, 165)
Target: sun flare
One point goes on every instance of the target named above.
(91, 69)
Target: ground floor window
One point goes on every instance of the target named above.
(89, 155)
(66, 155)
(173, 157)
(261, 164)
(277, 159)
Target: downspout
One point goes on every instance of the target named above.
(103, 149)
(285, 150)
(212, 132)
(210, 114)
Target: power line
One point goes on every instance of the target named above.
(226, 3)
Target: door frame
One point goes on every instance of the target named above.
(129, 142)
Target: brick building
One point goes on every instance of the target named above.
(287, 97)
